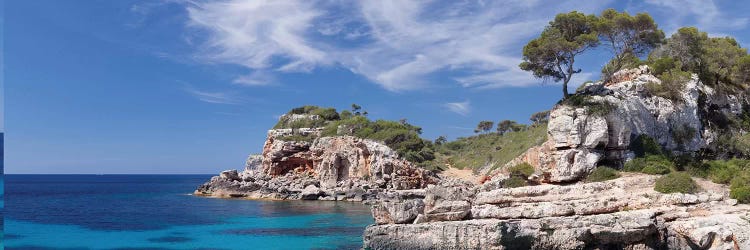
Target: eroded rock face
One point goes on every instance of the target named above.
(624, 213)
(581, 138)
(329, 168)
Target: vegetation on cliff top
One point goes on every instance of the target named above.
(400, 136)
(490, 149)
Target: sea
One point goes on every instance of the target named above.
(159, 212)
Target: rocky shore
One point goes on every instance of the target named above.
(625, 213)
(417, 209)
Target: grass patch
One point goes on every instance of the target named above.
(602, 173)
(490, 149)
(677, 182)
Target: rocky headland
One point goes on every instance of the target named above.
(556, 206)
(339, 168)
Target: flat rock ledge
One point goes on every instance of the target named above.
(620, 214)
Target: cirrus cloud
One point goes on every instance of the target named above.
(399, 45)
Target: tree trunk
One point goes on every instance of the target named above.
(565, 90)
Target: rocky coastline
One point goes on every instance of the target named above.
(418, 209)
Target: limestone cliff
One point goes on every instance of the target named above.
(562, 212)
(328, 168)
(599, 132)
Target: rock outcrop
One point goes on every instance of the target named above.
(625, 213)
(560, 211)
(328, 168)
(600, 131)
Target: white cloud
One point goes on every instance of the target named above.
(705, 14)
(399, 45)
(461, 108)
(214, 97)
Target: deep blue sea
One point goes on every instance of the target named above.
(158, 212)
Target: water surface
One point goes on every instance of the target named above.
(157, 212)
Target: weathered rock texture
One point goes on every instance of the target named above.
(329, 168)
(620, 214)
(581, 138)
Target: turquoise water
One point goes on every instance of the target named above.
(156, 212)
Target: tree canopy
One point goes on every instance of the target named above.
(484, 126)
(716, 60)
(628, 37)
(552, 55)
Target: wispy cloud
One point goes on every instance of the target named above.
(461, 108)
(396, 44)
(705, 14)
(214, 97)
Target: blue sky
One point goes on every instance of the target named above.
(192, 86)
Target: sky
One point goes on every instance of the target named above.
(180, 86)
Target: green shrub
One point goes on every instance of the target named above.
(742, 194)
(661, 65)
(596, 108)
(328, 114)
(644, 145)
(522, 170)
(634, 165)
(402, 137)
(699, 169)
(657, 164)
(628, 61)
(672, 83)
(656, 169)
(740, 188)
(676, 182)
(723, 171)
(514, 182)
(602, 173)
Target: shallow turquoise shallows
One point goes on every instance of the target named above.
(157, 212)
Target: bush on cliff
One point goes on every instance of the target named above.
(400, 136)
(596, 108)
(325, 115)
(522, 170)
(676, 182)
(518, 175)
(514, 182)
(602, 173)
(672, 84)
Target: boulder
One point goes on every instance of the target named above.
(397, 212)
(230, 175)
(310, 192)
